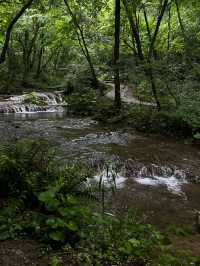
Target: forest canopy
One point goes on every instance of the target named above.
(153, 44)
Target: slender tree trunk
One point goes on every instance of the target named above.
(131, 47)
(168, 48)
(32, 47)
(153, 87)
(187, 54)
(9, 30)
(169, 29)
(38, 70)
(164, 4)
(147, 24)
(134, 30)
(116, 54)
(149, 31)
(154, 37)
(40, 56)
(25, 56)
(180, 20)
(83, 45)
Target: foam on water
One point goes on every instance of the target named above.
(173, 180)
(110, 178)
(52, 102)
(155, 176)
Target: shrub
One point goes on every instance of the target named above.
(64, 217)
(83, 102)
(32, 98)
(26, 166)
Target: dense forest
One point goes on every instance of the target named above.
(99, 132)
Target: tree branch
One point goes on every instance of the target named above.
(9, 30)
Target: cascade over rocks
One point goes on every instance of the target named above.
(34, 102)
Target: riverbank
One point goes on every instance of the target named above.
(142, 116)
(67, 217)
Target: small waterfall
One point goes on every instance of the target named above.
(155, 175)
(110, 177)
(34, 102)
(117, 172)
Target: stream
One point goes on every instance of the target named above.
(158, 176)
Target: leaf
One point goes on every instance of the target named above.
(57, 236)
(134, 242)
(197, 136)
(4, 235)
(72, 200)
(49, 199)
(63, 211)
(72, 226)
(46, 196)
(55, 223)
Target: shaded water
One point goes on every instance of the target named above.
(153, 174)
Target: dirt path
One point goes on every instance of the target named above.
(24, 252)
(126, 95)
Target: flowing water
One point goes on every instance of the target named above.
(49, 102)
(156, 175)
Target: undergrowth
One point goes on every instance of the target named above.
(54, 203)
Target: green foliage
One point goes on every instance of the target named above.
(46, 49)
(197, 136)
(78, 78)
(181, 259)
(105, 110)
(64, 216)
(148, 119)
(67, 212)
(55, 262)
(119, 240)
(32, 98)
(189, 110)
(10, 226)
(24, 167)
(83, 102)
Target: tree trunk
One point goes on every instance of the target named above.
(83, 45)
(187, 54)
(40, 56)
(154, 37)
(149, 31)
(168, 48)
(9, 30)
(38, 70)
(169, 29)
(180, 20)
(151, 52)
(153, 87)
(116, 55)
(134, 30)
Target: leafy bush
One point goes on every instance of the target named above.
(197, 136)
(118, 240)
(32, 98)
(148, 119)
(25, 167)
(189, 111)
(66, 214)
(78, 78)
(10, 223)
(83, 102)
